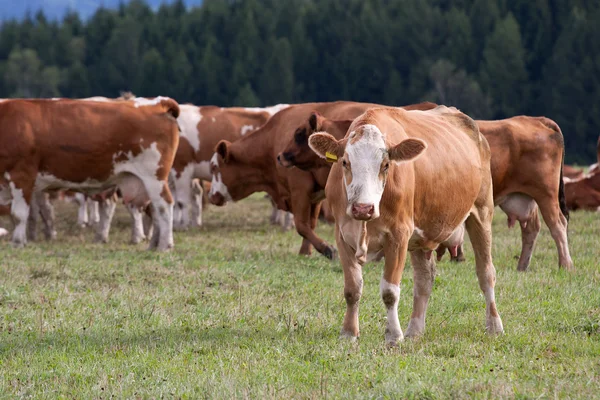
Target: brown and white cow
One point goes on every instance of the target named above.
(572, 172)
(91, 147)
(404, 181)
(201, 129)
(583, 193)
(526, 171)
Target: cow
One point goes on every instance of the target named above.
(583, 193)
(40, 207)
(250, 165)
(404, 181)
(201, 129)
(527, 154)
(92, 147)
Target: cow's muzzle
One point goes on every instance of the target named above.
(363, 212)
(285, 159)
(217, 199)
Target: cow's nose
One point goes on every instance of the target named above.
(363, 211)
(217, 199)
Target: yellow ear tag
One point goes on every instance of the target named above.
(330, 157)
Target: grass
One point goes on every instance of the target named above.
(234, 312)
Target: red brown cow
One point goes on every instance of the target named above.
(583, 193)
(249, 165)
(404, 181)
(91, 147)
(572, 172)
(526, 171)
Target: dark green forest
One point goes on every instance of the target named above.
(490, 58)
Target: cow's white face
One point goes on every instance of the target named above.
(365, 160)
(365, 164)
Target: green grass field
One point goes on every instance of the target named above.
(234, 312)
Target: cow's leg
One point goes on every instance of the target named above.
(183, 197)
(137, 224)
(82, 211)
(529, 233)
(197, 205)
(479, 227)
(557, 223)
(162, 215)
(423, 265)
(395, 249)
(106, 208)
(147, 221)
(353, 284)
(21, 193)
(287, 221)
(47, 213)
(32, 219)
(94, 212)
(301, 206)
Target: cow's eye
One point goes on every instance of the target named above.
(344, 164)
(386, 166)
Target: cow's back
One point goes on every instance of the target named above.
(524, 149)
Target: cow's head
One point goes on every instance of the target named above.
(297, 153)
(232, 178)
(365, 159)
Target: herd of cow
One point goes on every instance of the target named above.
(395, 180)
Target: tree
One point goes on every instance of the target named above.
(503, 72)
(25, 76)
(246, 97)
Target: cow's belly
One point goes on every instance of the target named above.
(202, 171)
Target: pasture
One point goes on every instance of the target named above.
(233, 311)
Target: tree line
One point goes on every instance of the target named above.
(490, 58)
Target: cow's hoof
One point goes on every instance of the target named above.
(393, 338)
(349, 336)
(331, 253)
(494, 326)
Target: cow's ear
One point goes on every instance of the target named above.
(223, 149)
(407, 149)
(326, 146)
(316, 121)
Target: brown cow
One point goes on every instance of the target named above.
(249, 165)
(583, 193)
(522, 173)
(89, 146)
(404, 181)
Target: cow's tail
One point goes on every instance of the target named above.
(561, 190)
(561, 184)
(170, 106)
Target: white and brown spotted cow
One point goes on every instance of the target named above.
(91, 147)
(404, 181)
(201, 129)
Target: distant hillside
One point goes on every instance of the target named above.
(55, 9)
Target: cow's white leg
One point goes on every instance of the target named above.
(20, 212)
(287, 220)
(106, 210)
(162, 215)
(82, 212)
(47, 213)
(94, 213)
(147, 222)
(197, 205)
(479, 227)
(353, 285)
(390, 294)
(424, 273)
(137, 224)
(183, 195)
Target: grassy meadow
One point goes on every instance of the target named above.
(234, 312)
